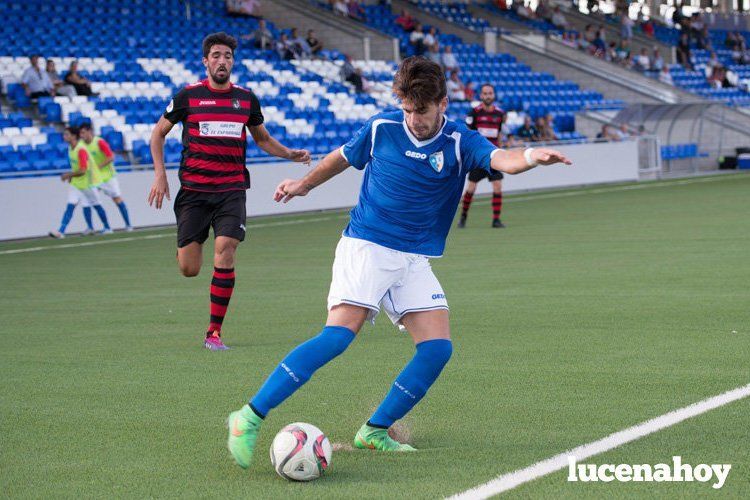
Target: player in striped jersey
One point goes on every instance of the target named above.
(215, 115)
(487, 119)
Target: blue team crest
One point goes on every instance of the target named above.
(436, 161)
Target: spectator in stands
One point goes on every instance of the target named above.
(570, 39)
(501, 4)
(587, 40)
(314, 43)
(739, 49)
(558, 19)
(300, 45)
(696, 25)
(683, 52)
(81, 84)
(433, 54)
(456, 90)
(339, 7)
(262, 37)
(657, 61)
(606, 134)
(431, 38)
(677, 18)
(730, 42)
(599, 46)
(623, 132)
(592, 5)
(450, 63)
(623, 50)
(407, 22)
(350, 74)
(648, 28)
(285, 48)
(547, 133)
(543, 11)
(61, 88)
(356, 11)
(416, 39)
(665, 76)
(527, 132)
(524, 11)
(716, 79)
(642, 62)
(703, 40)
(469, 91)
(626, 26)
(35, 82)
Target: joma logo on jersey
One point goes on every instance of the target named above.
(206, 103)
(415, 155)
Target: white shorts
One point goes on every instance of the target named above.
(86, 197)
(110, 188)
(370, 275)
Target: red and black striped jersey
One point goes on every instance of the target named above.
(489, 123)
(214, 135)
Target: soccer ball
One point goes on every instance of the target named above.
(300, 452)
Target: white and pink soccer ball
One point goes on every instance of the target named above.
(300, 452)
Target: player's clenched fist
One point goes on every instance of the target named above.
(300, 155)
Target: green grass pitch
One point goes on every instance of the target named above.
(594, 310)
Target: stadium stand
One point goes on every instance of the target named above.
(135, 67)
(519, 89)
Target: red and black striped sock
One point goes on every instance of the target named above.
(497, 205)
(222, 286)
(466, 203)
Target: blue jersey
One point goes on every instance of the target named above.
(411, 188)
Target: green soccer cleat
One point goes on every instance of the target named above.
(375, 438)
(243, 431)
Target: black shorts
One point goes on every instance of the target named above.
(197, 211)
(478, 174)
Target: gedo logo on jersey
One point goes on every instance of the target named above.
(416, 156)
(221, 129)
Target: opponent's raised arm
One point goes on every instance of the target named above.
(515, 161)
(267, 143)
(333, 164)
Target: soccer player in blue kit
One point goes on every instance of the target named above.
(415, 164)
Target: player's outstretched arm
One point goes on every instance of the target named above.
(160, 187)
(333, 164)
(273, 147)
(515, 161)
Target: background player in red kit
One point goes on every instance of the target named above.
(215, 115)
(487, 119)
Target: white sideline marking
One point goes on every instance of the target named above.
(531, 197)
(558, 462)
(157, 236)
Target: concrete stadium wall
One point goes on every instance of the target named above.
(31, 207)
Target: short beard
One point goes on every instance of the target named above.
(219, 80)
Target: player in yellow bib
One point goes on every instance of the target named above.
(81, 185)
(105, 175)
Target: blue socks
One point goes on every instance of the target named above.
(124, 213)
(299, 365)
(102, 215)
(87, 216)
(413, 382)
(67, 215)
